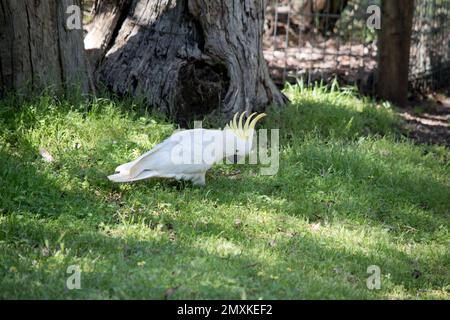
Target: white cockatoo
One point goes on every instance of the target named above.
(188, 154)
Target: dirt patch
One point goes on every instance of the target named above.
(427, 119)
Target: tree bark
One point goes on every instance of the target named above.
(188, 58)
(37, 49)
(394, 50)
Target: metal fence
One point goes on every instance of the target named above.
(332, 40)
(430, 49)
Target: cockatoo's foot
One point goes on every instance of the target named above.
(199, 180)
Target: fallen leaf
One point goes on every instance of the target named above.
(46, 155)
(45, 252)
(337, 270)
(169, 292)
(351, 278)
(315, 227)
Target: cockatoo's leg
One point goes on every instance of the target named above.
(199, 180)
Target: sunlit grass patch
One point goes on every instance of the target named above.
(351, 192)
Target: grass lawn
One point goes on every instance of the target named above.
(351, 192)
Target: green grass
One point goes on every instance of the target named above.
(350, 193)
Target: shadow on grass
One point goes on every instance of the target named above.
(110, 262)
(37, 208)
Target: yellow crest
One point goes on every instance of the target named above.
(243, 131)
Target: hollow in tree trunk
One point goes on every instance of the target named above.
(188, 58)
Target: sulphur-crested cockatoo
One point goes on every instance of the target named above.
(188, 154)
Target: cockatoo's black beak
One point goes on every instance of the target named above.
(235, 159)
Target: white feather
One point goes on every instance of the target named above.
(158, 162)
(213, 146)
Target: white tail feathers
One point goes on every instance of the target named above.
(135, 168)
(120, 177)
(124, 169)
(126, 172)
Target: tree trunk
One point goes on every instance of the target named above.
(188, 58)
(37, 49)
(394, 50)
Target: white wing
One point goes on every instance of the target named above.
(162, 160)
